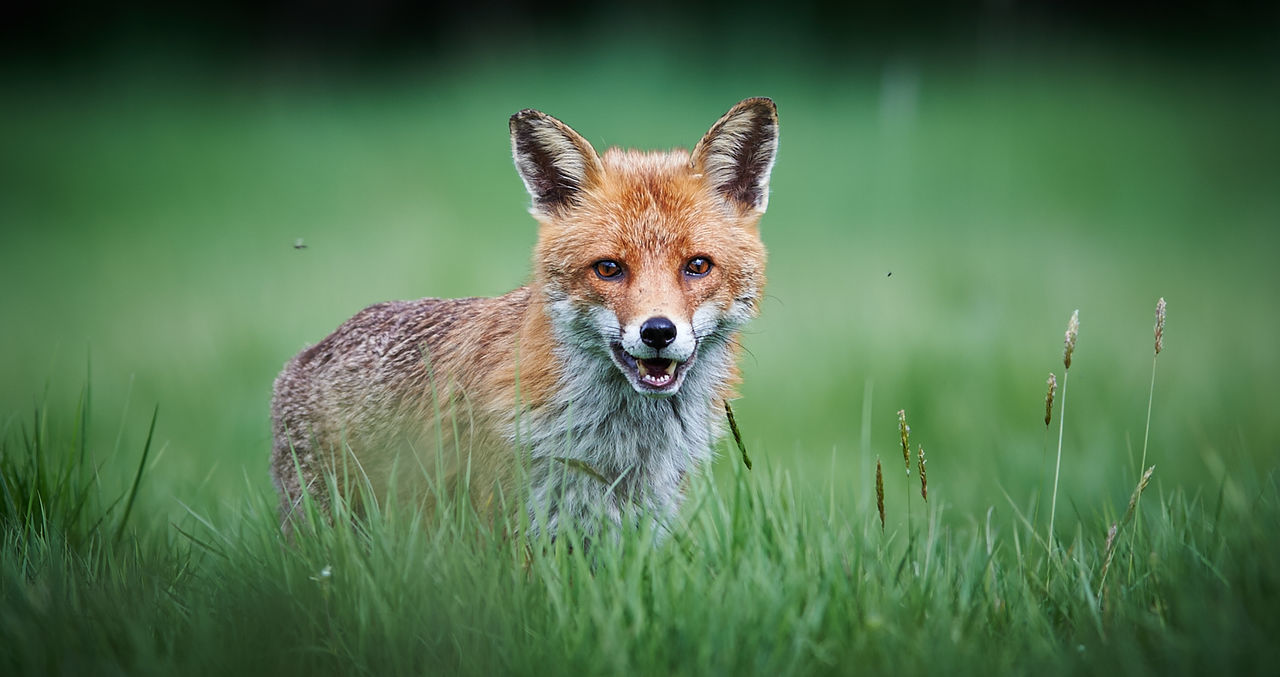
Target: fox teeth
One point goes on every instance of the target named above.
(656, 377)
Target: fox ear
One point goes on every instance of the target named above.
(554, 161)
(737, 154)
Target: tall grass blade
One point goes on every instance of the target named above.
(137, 478)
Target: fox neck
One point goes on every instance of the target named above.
(594, 442)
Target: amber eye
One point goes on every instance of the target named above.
(607, 269)
(698, 266)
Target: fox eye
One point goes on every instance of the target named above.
(698, 266)
(607, 269)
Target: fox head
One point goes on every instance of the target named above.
(650, 260)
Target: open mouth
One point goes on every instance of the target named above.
(655, 375)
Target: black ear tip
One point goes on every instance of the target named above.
(759, 104)
(525, 116)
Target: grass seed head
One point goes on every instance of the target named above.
(1159, 325)
(880, 493)
(1069, 345)
(1133, 500)
(1110, 547)
(924, 478)
(904, 431)
(1048, 399)
(1109, 550)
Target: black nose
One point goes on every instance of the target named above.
(657, 332)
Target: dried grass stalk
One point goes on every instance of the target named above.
(1159, 325)
(1069, 344)
(1069, 347)
(1146, 435)
(1111, 536)
(1048, 399)
(737, 436)
(924, 478)
(904, 431)
(880, 493)
(1128, 515)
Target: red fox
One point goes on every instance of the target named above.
(593, 391)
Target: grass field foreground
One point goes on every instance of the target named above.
(764, 577)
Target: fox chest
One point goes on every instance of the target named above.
(622, 459)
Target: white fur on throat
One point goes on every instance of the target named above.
(642, 446)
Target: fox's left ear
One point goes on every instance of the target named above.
(554, 161)
(736, 155)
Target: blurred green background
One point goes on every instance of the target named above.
(947, 192)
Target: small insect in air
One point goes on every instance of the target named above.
(299, 244)
(889, 275)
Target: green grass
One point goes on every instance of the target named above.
(934, 221)
(762, 577)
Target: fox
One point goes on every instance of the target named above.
(593, 392)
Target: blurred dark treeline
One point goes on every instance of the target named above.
(50, 34)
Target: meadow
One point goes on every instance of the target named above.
(171, 234)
